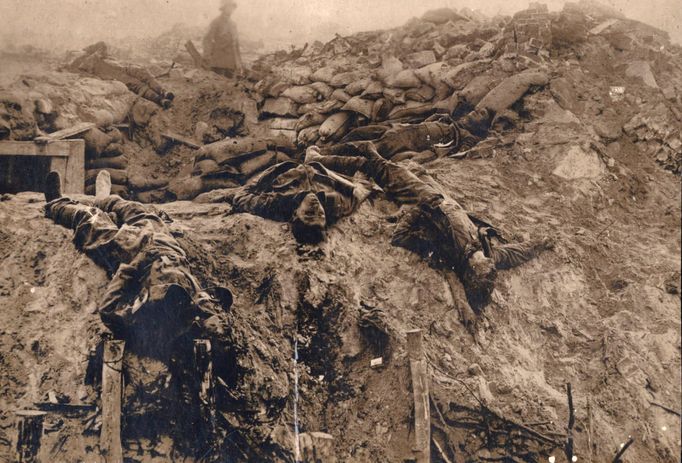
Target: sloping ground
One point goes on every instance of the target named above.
(595, 312)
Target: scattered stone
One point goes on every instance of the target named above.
(642, 70)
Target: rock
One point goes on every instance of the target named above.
(642, 70)
(563, 93)
(577, 164)
(668, 92)
(609, 130)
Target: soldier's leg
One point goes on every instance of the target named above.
(508, 256)
(130, 212)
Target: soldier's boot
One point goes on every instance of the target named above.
(53, 186)
(103, 184)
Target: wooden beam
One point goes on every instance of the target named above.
(112, 395)
(204, 374)
(29, 426)
(199, 60)
(29, 148)
(420, 390)
(180, 139)
(66, 133)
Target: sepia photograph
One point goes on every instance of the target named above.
(340, 231)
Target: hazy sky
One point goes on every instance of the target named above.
(75, 23)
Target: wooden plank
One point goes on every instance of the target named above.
(29, 426)
(112, 390)
(420, 390)
(180, 139)
(204, 375)
(74, 176)
(29, 148)
(199, 60)
(66, 133)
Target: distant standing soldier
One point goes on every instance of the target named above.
(221, 44)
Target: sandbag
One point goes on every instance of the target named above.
(183, 189)
(394, 95)
(390, 66)
(141, 183)
(118, 176)
(204, 166)
(405, 79)
(443, 91)
(420, 59)
(322, 107)
(282, 106)
(153, 196)
(309, 135)
(381, 110)
(283, 123)
(357, 87)
(422, 94)
(112, 151)
(258, 163)
(322, 89)
(340, 95)
(477, 89)
(410, 109)
(511, 89)
(359, 105)
(324, 74)
(343, 79)
(96, 141)
(303, 94)
(432, 74)
(225, 150)
(374, 91)
(309, 119)
(118, 162)
(335, 126)
(447, 105)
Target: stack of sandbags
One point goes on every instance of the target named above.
(229, 164)
(76, 99)
(104, 151)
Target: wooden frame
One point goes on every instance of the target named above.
(66, 157)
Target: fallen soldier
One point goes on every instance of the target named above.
(436, 226)
(96, 62)
(309, 196)
(458, 136)
(152, 291)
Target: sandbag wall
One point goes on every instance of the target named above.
(318, 94)
(104, 151)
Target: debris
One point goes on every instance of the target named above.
(420, 390)
(642, 70)
(377, 362)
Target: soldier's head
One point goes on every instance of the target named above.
(479, 279)
(477, 121)
(309, 220)
(227, 7)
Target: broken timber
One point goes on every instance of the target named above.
(199, 60)
(66, 133)
(204, 375)
(112, 389)
(29, 432)
(420, 390)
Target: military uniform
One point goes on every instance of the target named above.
(221, 47)
(150, 268)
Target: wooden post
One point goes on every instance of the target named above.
(420, 389)
(204, 374)
(29, 431)
(112, 394)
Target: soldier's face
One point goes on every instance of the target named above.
(310, 212)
